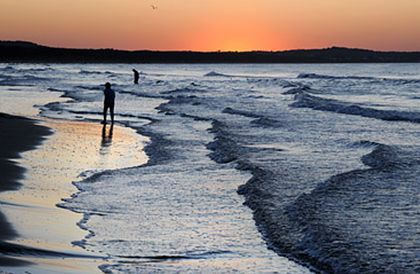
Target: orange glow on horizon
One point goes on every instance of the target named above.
(211, 25)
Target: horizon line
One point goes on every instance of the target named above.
(210, 51)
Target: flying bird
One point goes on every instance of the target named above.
(154, 7)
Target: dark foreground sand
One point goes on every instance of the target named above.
(17, 135)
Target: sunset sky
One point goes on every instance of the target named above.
(208, 25)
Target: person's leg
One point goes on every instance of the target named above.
(105, 112)
(111, 109)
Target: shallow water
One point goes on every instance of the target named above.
(317, 151)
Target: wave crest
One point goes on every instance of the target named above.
(305, 100)
(367, 78)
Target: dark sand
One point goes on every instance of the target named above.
(18, 134)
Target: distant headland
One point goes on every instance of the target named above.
(21, 51)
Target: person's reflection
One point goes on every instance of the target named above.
(106, 141)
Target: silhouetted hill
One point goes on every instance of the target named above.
(20, 51)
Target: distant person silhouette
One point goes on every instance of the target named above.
(136, 76)
(109, 102)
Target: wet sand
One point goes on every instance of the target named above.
(37, 236)
(18, 134)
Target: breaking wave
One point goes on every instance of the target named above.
(11, 69)
(27, 80)
(242, 113)
(306, 100)
(217, 74)
(367, 244)
(321, 76)
(93, 72)
(331, 77)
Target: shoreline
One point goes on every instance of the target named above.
(13, 143)
(37, 234)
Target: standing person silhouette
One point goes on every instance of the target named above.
(109, 102)
(136, 76)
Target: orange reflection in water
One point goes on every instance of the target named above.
(106, 142)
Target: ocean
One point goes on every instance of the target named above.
(288, 168)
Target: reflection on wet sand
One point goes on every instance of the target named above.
(51, 169)
(106, 141)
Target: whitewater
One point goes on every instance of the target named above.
(252, 168)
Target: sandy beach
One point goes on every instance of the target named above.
(39, 164)
(21, 135)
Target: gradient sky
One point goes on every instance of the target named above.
(208, 25)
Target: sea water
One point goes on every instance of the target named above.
(252, 168)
